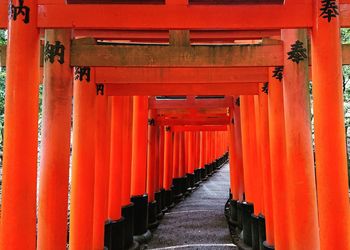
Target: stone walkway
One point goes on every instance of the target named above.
(198, 222)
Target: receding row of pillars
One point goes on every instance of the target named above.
(301, 189)
(122, 161)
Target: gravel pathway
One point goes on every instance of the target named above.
(198, 222)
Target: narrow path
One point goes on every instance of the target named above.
(198, 222)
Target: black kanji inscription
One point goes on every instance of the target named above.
(265, 88)
(151, 122)
(278, 73)
(329, 9)
(51, 51)
(298, 52)
(100, 89)
(20, 10)
(81, 72)
(238, 102)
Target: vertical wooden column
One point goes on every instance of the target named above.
(83, 164)
(161, 156)
(115, 176)
(139, 167)
(126, 149)
(102, 154)
(250, 152)
(151, 154)
(18, 209)
(139, 146)
(176, 148)
(331, 162)
(202, 149)
(234, 171)
(300, 163)
(263, 126)
(151, 169)
(55, 147)
(259, 173)
(192, 152)
(115, 223)
(168, 158)
(182, 164)
(238, 146)
(279, 173)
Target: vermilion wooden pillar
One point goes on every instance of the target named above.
(139, 146)
(238, 145)
(259, 170)
(55, 147)
(202, 149)
(151, 154)
(161, 156)
(139, 168)
(115, 224)
(83, 164)
(102, 154)
(263, 126)
(279, 173)
(126, 149)
(331, 162)
(192, 152)
(182, 164)
(176, 151)
(168, 158)
(234, 171)
(300, 162)
(250, 152)
(114, 201)
(18, 209)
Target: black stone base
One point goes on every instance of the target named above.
(163, 197)
(140, 214)
(247, 210)
(114, 234)
(169, 199)
(158, 198)
(262, 231)
(233, 213)
(143, 238)
(239, 215)
(197, 177)
(208, 169)
(190, 182)
(152, 215)
(255, 232)
(185, 190)
(204, 175)
(242, 246)
(268, 247)
(135, 246)
(178, 186)
(128, 214)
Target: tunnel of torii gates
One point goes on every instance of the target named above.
(253, 60)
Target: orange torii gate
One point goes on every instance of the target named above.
(18, 208)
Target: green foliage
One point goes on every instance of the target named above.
(3, 37)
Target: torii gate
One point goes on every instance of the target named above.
(18, 209)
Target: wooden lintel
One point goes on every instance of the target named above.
(199, 128)
(225, 102)
(194, 121)
(163, 75)
(297, 14)
(105, 56)
(150, 89)
(169, 56)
